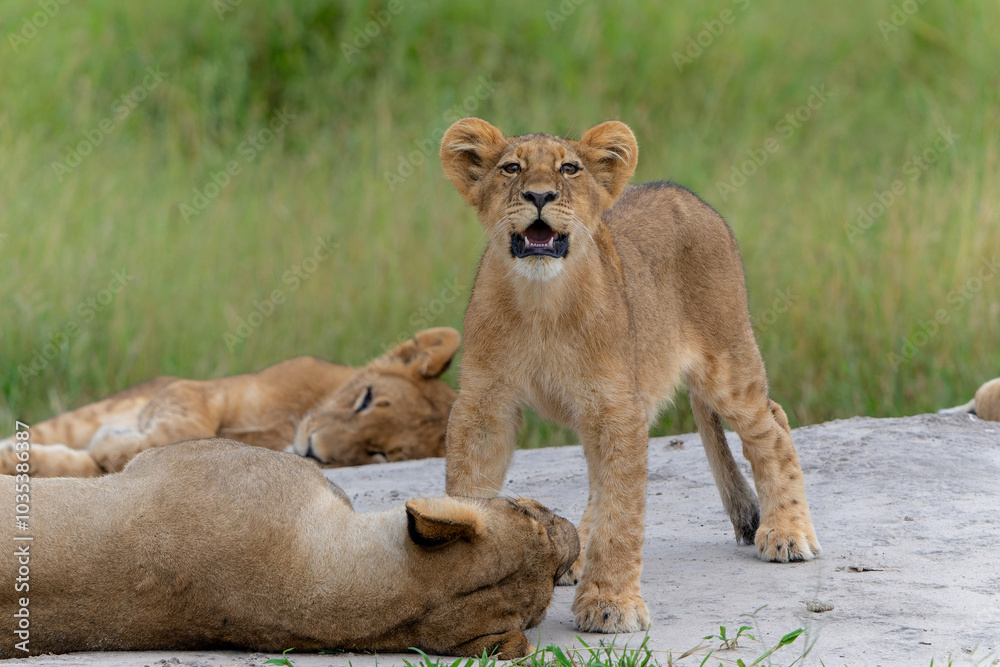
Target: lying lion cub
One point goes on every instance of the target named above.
(394, 408)
(211, 544)
(985, 404)
(591, 303)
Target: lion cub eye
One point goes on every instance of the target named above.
(511, 168)
(569, 168)
(364, 401)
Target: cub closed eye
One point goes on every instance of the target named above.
(569, 168)
(364, 401)
(511, 168)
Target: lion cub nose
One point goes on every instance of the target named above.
(539, 199)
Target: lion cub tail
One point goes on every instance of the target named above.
(968, 408)
(985, 405)
(738, 498)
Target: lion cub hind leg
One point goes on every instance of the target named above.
(738, 498)
(48, 461)
(736, 389)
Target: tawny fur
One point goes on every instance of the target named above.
(215, 544)
(985, 404)
(394, 408)
(650, 293)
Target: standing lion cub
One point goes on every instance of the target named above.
(592, 302)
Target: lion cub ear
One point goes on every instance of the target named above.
(469, 149)
(428, 353)
(612, 153)
(433, 522)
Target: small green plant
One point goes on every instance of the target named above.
(485, 660)
(283, 660)
(784, 641)
(602, 655)
(729, 643)
(605, 654)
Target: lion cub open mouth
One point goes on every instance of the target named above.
(539, 239)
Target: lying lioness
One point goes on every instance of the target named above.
(985, 404)
(211, 544)
(394, 408)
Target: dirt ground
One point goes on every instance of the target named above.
(906, 511)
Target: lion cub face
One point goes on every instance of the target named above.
(540, 195)
(394, 408)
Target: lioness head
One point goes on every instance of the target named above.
(394, 408)
(487, 567)
(541, 194)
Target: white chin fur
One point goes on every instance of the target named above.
(538, 268)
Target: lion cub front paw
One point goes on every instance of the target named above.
(594, 612)
(787, 540)
(114, 446)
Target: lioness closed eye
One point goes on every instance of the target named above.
(592, 302)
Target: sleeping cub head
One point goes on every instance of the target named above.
(394, 408)
(542, 195)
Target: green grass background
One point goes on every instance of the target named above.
(407, 254)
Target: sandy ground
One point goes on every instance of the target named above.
(906, 511)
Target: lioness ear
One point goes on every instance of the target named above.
(428, 354)
(433, 522)
(469, 149)
(612, 153)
